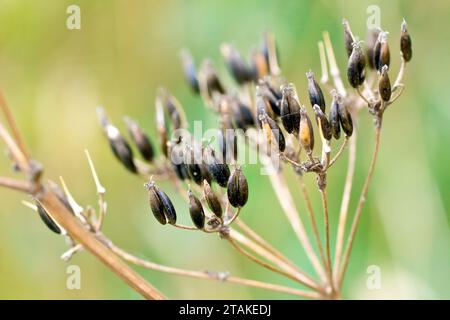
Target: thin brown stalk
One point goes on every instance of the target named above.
(214, 276)
(17, 185)
(334, 70)
(345, 203)
(339, 153)
(323, 194)
(16, 153)
(361, 202)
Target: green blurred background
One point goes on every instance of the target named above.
(54, 78)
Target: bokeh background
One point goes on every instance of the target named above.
(55, 78)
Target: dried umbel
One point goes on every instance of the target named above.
(196, 211)
(47, 219)
(212, 200)
(405, 42)
(323, 123)
(306, 134)
(356, 65)
(190, 71)
(290, 109)
(160, 204)
(382, 55)
(237, 190)
(384, 84)
(236, 65)
(314, 91)
(140, 139)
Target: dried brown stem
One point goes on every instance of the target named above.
(17, 185)
(339, 153)
(323, 194)
(361, 202)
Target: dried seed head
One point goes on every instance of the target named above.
(236, 65)
(346, 119)
(306, 134)
(218, 169)
(118, 144)
(290, 109)
(356, 65)
(384, 84)
(314, 91)
(334, 115)
(196, 211)
(405, 42)
(371, 41)
(189, 70)
(323, 123)
(140, 139)
(348, 38)
(212, 200)
(47, 219)
(382, 54)
(237, 189)
(160, 204)
(259, 65)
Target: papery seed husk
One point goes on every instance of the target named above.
(371, 41)
(156, 205)
(314, 91)
(405, 42)
(306, 134)
(346, 120)
(196, 211)
(190, 71)
(355, 66)
(325, 126)
(140, 139)
(237, 190)
(385, 55)
(290, 110)
(212, 200)
(277, 134)
(334, 118)
(47, 219)
(381, 53)
(384, 84)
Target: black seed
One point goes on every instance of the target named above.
(325, 126)
(196, 211)
(346, 120)
(121, 148)
(314, 91)
(348, 38)
(334, 116)
(237, 189)
(227, 139)
(277, 133)
(47, 219)
(236, 65)
(213, 84)
(371, 41)
(140, 139)
(384, 85)
(381, 53)
(356, 65)
(161, 126)
(212, 200)
(174, 109)
(218, 169)
(190, 72)
(405, 42)
(290, 109)
(306, 134)
(156, 204)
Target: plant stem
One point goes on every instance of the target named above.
(323, 194)
(345, 203)
(16, 185)
(361, 202)
(339, 153)
(214, 276)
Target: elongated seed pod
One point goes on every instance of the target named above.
(169, 209)
(382, 54)
(236, 65)
(290, 109)
(242, 116)
(271, 96)
(140, 139)
(346, 120)
(323, 123)
(196, 211)
(334, 116)
(47, 219)
(177, 159)
(277, 134)
(190, 72)
(384, 84)
(212, 200)
(156, 205)
(348, 38)
(405, 42)
(161, 126)
(195, 172)
(212, 81)
(237, 190)
(356, 65)
(314, 91)
(60, 195)
(306, 134)
(218, 169)
(371, 41)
